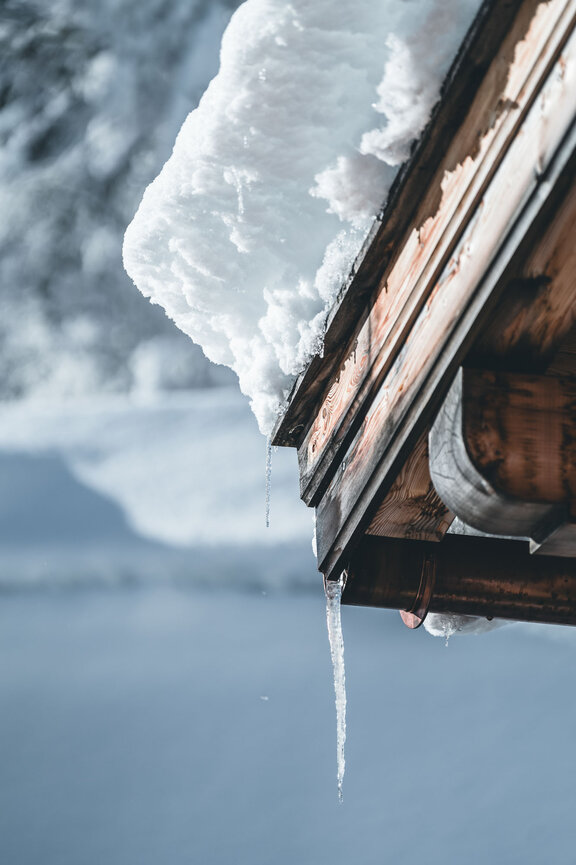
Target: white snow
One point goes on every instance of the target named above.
(245, 236)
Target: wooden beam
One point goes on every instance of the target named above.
(530, 182)
(520, 431)
(412, 508)
(503, 452)
(482, 44)
(462, 575)
(536, 314)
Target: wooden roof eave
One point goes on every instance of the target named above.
(358, 412)
(477, 51)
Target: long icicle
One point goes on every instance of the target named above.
(268, 478)
(333, 590)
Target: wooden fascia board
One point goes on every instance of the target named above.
(536, 171)
(537, 311)
(434, 242)
(482, 43)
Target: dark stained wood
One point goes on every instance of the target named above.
(467, 576)
(564, 361)
(562, 542)
(434, 251)
(474, 260)
(482, 44)
(412, 508)
(536, 315)
(520, 432)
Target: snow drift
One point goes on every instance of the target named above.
(247, 233)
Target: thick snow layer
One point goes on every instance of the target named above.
(247, 233)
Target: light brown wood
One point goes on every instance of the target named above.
(412, 508)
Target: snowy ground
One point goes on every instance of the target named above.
(112, 489)
(142, 726)
(166, 680)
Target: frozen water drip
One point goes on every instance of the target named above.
(333, 590)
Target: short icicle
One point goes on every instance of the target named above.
(333, 590)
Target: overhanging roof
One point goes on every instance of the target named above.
(470, 261)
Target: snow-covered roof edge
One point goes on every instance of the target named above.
(245, 236)
(351, 303)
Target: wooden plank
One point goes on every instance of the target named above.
(412, 508)
(564, 361)
(534, 175)
(481, 45)
(407, 285)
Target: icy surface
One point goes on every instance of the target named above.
(446, 625)
(245, 236)
(334, 621)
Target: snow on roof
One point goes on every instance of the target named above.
(252, 225)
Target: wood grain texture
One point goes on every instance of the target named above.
(564, 360)
(413, 183)
(533, 179)
(470, 576)
(520, 432)
(433, 249)
(412, 508)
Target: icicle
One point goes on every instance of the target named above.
(268, 478)
(333, 595)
